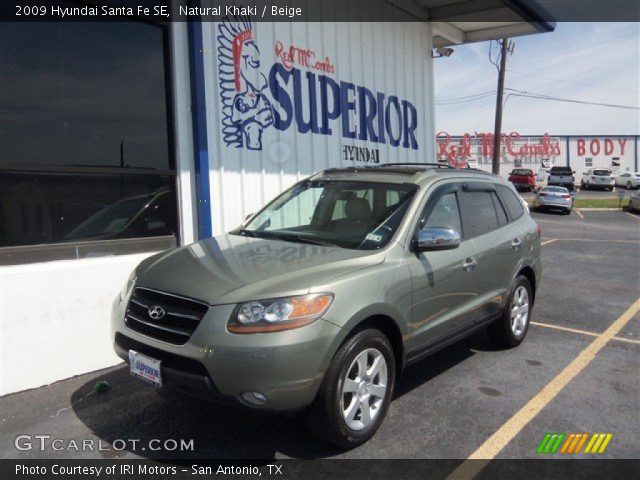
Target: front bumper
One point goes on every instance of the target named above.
(286, 367)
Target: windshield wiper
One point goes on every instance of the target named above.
(315, 241)
(247, 233)
(302, 239)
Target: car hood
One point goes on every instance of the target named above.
(231, 268)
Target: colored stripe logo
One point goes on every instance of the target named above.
(573, 443)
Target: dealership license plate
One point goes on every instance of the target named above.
(145, 368)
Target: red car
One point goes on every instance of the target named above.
(523, 179)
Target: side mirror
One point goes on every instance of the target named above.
(437, 238)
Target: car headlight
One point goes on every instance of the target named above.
(128, 287)
(279, 314)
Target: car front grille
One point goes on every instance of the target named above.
(164, 316)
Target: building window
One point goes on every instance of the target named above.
(86, 141)
(588, 162)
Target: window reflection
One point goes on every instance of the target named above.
(85, 137)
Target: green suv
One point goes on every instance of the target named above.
(319, 301)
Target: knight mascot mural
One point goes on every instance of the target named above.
(246, 110)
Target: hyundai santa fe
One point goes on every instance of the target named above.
(318, 302)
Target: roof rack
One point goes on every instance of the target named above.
(391, 167)
(415, 164)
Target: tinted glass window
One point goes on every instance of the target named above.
(560, 170)
(83, 94)
(511, 201)
(480, 213)
(85, 139)
(445, 213)
(502, 216)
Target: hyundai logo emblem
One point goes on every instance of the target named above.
(156, 312)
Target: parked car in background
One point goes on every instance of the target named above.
(628, 179)
(561, 177)
(634, 203)
(598, 178)
(147, 215)
(553, 198)
(523, 179)
(280, 314)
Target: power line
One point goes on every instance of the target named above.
(522, 93)
(464, 100)
(468, 96)
(570, 82)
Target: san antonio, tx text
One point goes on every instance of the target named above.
(142, 469)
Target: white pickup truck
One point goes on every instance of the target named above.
(562, 177)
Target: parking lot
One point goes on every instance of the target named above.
(466, 400)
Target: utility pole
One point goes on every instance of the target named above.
(497, 130)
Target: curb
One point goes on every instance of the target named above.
(588, 209)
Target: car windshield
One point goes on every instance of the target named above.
(522, 171)
(356, 215)
(110, 219)
(602, 173)
(561, 170)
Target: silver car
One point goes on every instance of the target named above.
(553, 198)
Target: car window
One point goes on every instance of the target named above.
(502, 216)
(480, 213)
(511, 202)
(445, 213)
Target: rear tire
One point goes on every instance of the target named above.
(509, 331)
(352, 403)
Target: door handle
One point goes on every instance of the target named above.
(516, 243)
(469, 264)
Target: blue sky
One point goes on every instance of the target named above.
(594, 62)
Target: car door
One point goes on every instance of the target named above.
(498, 243)
(442, 285)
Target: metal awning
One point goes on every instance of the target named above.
(457, 22)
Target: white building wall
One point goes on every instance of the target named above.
(579, 152)
(391, 58)
(601, 151)
(55, 319)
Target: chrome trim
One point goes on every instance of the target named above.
(176, 331)
(205, 304)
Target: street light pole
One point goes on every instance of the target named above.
(497, 130)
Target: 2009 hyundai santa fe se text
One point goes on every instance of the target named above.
(319, 301)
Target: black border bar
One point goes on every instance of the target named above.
(541, 13)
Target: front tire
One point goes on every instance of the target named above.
(356, 391)
(510, 330)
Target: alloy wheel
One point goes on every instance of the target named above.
(364, 388)
(519, 311)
